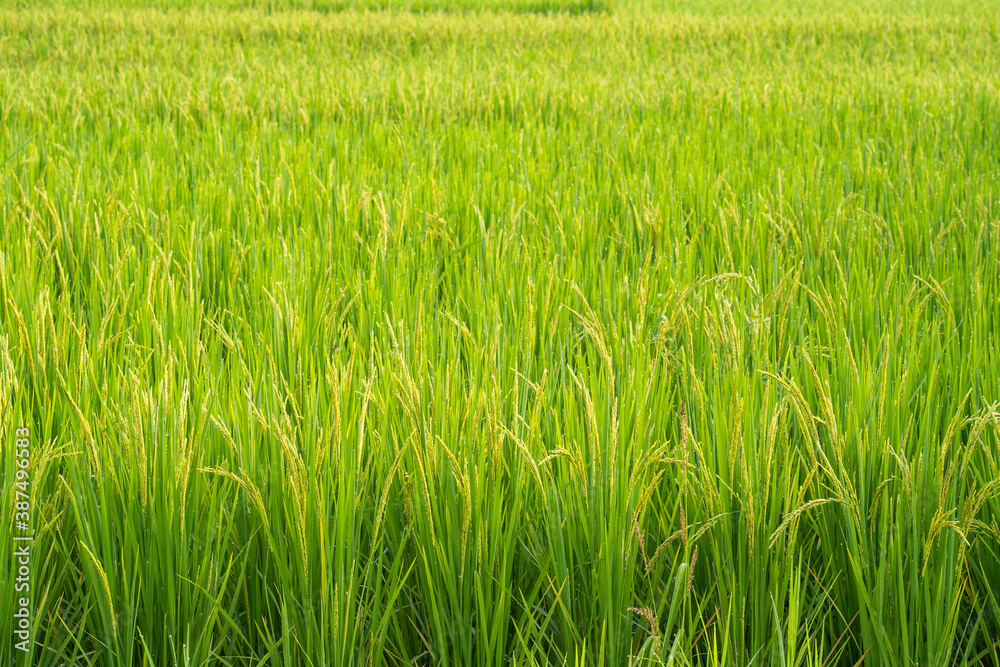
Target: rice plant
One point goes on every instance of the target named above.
(501, 332)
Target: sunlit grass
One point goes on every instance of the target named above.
(499, 337)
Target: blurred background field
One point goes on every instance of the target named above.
(504, 332)
(983, 10)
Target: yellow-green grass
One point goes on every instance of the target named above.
(527, 335)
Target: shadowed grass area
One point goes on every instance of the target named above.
(486, 338)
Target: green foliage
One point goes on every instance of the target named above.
(491, 337)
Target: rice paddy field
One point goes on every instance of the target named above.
(500, 332)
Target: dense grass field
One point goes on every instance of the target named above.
(501, 332)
